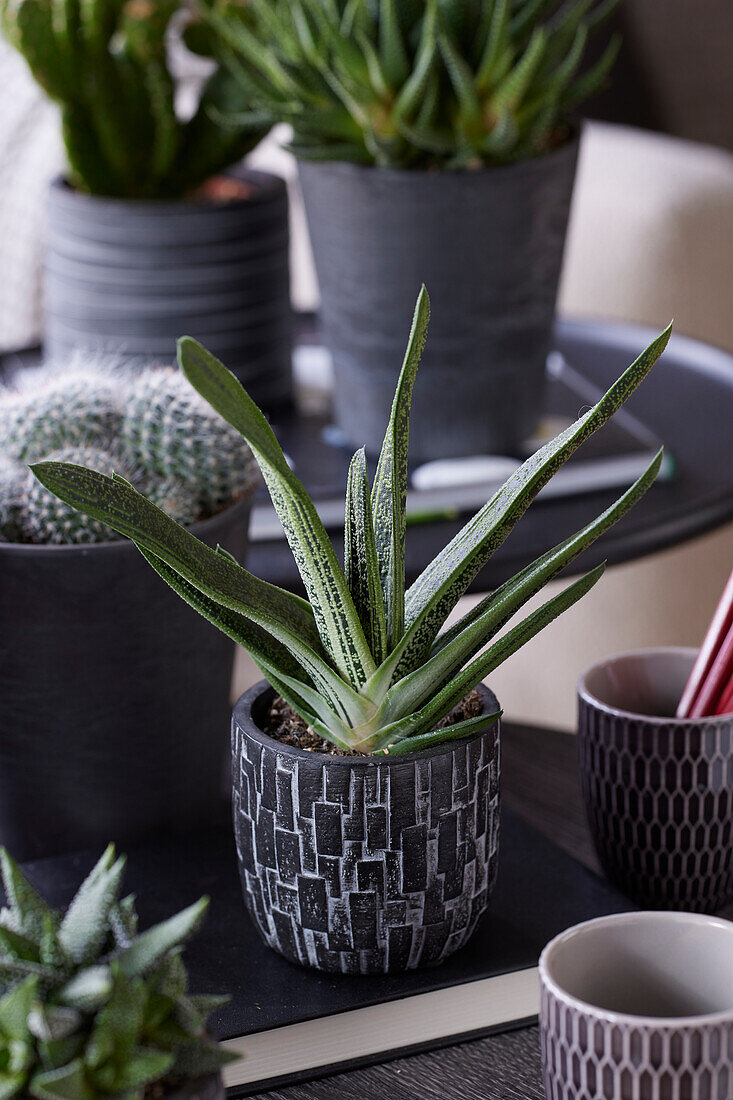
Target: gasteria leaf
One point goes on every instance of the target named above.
(363, 663)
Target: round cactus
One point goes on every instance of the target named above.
(48, 411)
(43, 518)
(174, 497)
(169, 430)
(11, 479)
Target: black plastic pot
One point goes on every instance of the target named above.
(129, 277)
(114, 697)
(364, 865)
(488, 245)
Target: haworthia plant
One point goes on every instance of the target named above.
(91, 1007)
(446, 83)
(368, 664)
(105, 62)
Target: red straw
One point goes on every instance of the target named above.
(717, 631)
(725, 706)
(716, 681)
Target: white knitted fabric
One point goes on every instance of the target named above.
(31, 154)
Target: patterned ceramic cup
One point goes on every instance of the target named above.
(658, 791)
(639, 1006)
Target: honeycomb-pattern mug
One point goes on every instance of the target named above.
(658, 791)
(639, 1006)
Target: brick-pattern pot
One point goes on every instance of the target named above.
(364, 865)
(658, 790)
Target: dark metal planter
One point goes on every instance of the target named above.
(114, 697)
(129, 277)
(488, 245)
(364, 865)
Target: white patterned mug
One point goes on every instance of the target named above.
(639, 1006)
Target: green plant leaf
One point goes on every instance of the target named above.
(140, 1067)
(390, 482)
(85, 924)
(336, 617)
(15, 1008)
(442, 703)
(150, 946)
(88, 989)
(457, 732)
(361, 564)
(15, 945)
(26, 904)
(67, 1083)
(439, 587)
(391, 47)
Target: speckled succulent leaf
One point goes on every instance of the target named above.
(88, 990)
(441, 584)
(389, 491)
(285, 616)
(67, 1082)
(27, 907)
(85, 925)
(361, 563)
(336, 617)
(455, 732)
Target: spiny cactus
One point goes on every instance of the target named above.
(429, 83)
(91, 1007)
(105, 63)
(11, 478)
(42, 517)
(48, 411)
(170, 431)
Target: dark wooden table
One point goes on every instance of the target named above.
(540, 781)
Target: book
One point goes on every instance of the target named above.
(292, 1024)
(448, 488)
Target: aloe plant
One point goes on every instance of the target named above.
(365, 662)
(447, 83)
(91, 1007)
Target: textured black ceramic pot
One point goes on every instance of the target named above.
(364, 865)
(488, 245)
(658, 791)
(114, 697)
(129, 277)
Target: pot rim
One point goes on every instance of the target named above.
(591, 700)
(527, 165)
(629, 1019)
(270, 186)
(200, 529)
(242, 714)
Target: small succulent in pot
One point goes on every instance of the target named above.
(382, 858)
(92, 1007)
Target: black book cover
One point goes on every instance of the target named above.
(540, 892)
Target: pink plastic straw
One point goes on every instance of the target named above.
(719, 627)
(716, 682)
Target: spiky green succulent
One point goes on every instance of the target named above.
(91, 1007)
(11, 479)
(169, 431)
(419, 83)
(366, 663)
(105, 62)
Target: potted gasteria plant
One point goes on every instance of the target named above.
(151, 231)
(365, 766)
(436, 142)
(93, 1008)
(114, 696)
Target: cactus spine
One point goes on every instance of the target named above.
(170, 431)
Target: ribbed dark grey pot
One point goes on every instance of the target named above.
(114, 697)
(128, 278)
(364, 865)
(658, 791)
(488, 245)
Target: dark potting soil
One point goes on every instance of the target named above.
(285, 725)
